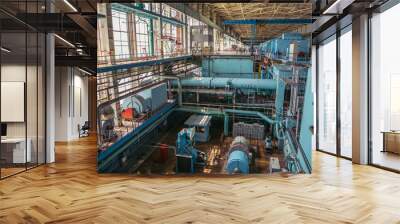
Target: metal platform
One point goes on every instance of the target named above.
(111, 68)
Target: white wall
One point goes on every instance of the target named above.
(16, 73)
(71, 103)
(33, 127)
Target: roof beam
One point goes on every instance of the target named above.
(267, 21)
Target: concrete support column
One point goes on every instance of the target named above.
(360, 90)
(314, 90)
(50, 98)
(92, 100)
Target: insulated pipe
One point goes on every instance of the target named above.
(226, 124)
(252, 113)
(208, 82)
(213, 111)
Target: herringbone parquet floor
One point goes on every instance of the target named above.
(70, 191)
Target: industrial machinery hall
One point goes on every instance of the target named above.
(178, 94)
(217, 111)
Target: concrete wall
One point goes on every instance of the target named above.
(71, 102)
(33, 127)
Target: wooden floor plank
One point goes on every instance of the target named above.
(71, 191)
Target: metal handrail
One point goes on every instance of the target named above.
(300, 149)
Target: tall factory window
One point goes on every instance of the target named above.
(327, 96)
(169, 38)
(142, 36)
(346, 92)
(146, 6)
(120, 33)
(166, 10)
(156, 7)
(385, 89)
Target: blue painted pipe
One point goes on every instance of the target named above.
(218, 112)
(239, 83)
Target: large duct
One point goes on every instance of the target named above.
(238, 83)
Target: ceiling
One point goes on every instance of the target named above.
(247, 11)
(72, 20)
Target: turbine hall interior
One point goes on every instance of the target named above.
(178, 93)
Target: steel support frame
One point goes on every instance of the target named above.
(268, 21)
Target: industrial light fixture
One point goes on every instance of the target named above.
(64, 40)
(337, 7)
(70, 5)
(86, 72)
(79, 51)
(5, 50)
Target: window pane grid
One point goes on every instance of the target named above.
(120, 32)
(142, 36)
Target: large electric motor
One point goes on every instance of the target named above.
(239, 156)
(134, 105)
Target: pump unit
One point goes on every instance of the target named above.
(188, 157)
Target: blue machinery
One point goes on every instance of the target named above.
(298, 160)
(290, 47)
(187, 157)
(230, 66)
(291, 52)
(239, 156)
(109, 159)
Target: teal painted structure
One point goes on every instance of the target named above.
(279, 98)
(228, 67)
(279, 48)
(238, 83)
(307, 120)
(184, 147)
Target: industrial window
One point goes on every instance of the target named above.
(176, 14)
(142, 36)
(346, 93)
(156, 7)
(120, 32)
(124, 84)
(169, 38)
(145, 78)
(166, 10)
(173, 13)
(327, 96)
(385, 89)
